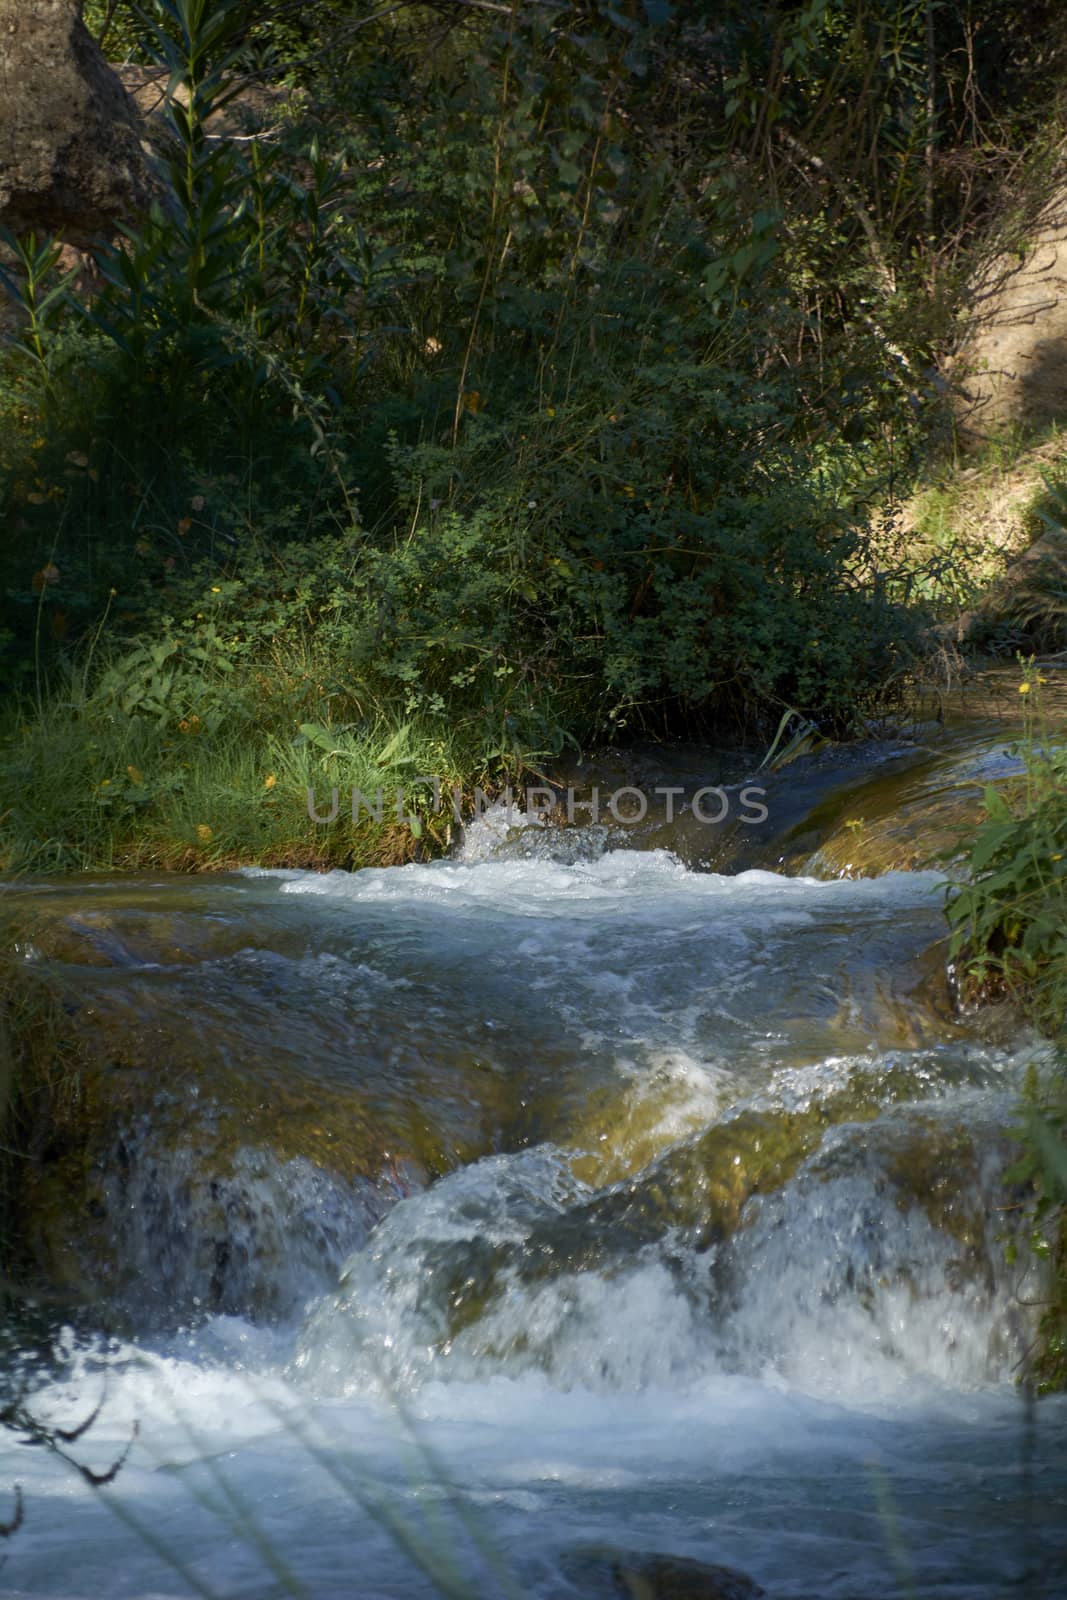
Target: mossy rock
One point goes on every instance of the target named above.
(938, 1168)
(910, 816)
(906, 837)
(159, 1103)
(150, 1175)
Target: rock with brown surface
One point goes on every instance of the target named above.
(71, 157)
(1011, 369)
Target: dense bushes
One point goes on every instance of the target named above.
(674, 553)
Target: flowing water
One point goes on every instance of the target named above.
(490, 1227)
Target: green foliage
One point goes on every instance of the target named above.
(39, 293)
(190, 386)
(530, 375)
(1009, 934)
(625, 532)
(686, 558)
(1009, 921)
(213, 307)
(195, 744)
(1042, 1168)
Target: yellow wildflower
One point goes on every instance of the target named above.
(269, 781)
(203, 833)
(135, 774)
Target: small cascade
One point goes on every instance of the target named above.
(882, 1261)
(886, 1260)
(260, 1237)
(541, 1217)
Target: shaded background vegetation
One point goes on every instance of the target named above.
(526, 376)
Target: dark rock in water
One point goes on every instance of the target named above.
(677, 1578)
(606, 1574)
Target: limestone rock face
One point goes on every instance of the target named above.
(71, 157)
(1012, 366)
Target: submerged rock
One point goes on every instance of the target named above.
(887, 1256)
(746, 1248)
(605, 1574)
(906, 820)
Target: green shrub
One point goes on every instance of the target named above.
(674, 544)
(1009, 921)
(1009, 935)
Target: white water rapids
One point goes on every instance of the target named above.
(556, 1349)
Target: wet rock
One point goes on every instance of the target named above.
(892, 1241)
(606, 1574)
(161, 1175)
(886, 804)
(698, 1196)
(898, 823)
(169, 1202)
(207, 1128)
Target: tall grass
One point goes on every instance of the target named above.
(158, 757)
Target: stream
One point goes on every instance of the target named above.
(561, 1220)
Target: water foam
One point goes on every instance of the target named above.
(774, 1400)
